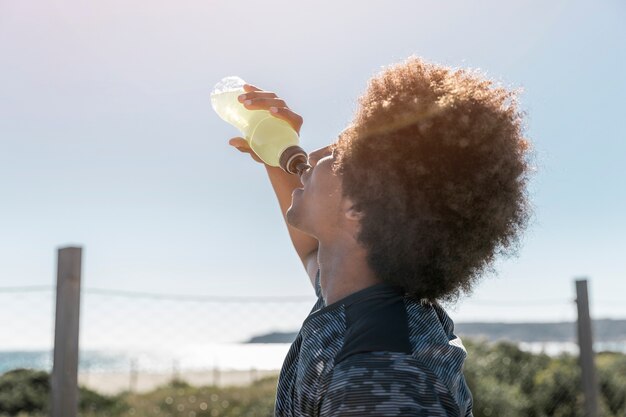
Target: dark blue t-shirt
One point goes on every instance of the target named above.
(376, 352)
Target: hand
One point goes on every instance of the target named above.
(263, 100)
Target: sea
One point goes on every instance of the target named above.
(224, 356)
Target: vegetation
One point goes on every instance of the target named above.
(25, 393)
(505, 382)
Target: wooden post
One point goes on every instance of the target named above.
(175, 370)
(216, 373)
(134, 373)
(586, 358)
(64, 379)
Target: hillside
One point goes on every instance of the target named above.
(604, 330)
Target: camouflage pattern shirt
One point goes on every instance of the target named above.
(375, 352)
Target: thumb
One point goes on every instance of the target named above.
(242, 146)
(238, 142)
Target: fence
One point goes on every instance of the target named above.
(133, 340)
(138, 340)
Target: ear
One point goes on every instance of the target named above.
(350, 211)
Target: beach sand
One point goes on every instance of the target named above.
(110, 383)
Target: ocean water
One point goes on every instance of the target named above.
(225, 356)
(233, 356)
(557, 348)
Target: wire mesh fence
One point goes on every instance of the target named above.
(136, 341)
(131, 340)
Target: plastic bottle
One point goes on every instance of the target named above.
(271, 138)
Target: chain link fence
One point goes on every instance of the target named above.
(132, 341)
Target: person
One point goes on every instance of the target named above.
(405, 211)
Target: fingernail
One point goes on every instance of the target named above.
(273, 109)
(242, 97)
(248, 101)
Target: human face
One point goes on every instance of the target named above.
(316, 208)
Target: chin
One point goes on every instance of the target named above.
(290, 216)
(293, 218)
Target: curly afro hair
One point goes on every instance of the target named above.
(436, 161)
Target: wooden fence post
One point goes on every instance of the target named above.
(586, 358)
(134, 374)
(64, 379)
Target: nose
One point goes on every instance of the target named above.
(312, 160)
(318, 154)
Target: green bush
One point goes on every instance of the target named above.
(499, 378)
(24, 390)
(612, 383)
(504, 381)
(180, 399)
(558, 389)
(28, 391)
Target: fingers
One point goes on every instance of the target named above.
(263, 103)
(256, 99)
(294, 119)
(250, 87)
(256, 94)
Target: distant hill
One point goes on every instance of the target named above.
(274, 337)
(604, 330)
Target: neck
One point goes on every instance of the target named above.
(343, 270)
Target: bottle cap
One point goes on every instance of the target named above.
(292, 158)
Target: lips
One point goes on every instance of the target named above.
(305, 176)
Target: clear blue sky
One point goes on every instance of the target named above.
(108, 139)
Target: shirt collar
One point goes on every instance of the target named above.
(381, 289)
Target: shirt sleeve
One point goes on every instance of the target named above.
(377, 384)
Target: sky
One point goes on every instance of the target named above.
(108, 139)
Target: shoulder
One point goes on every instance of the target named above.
(385, 384)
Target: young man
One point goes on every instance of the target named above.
(405, 210)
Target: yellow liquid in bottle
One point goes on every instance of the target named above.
(267, 135)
